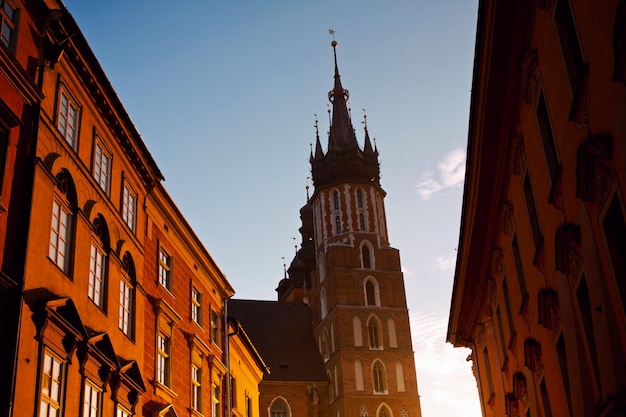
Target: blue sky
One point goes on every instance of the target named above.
(225, 94)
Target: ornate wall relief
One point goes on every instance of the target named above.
(531, 77)
(549, 312)
(594, 169)
(506, 218)
(568, 251)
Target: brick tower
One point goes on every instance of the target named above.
(351, 277)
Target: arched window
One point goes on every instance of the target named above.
(400, 377)
(379, 377)
(365, 257)
(359, 198)
(358, 375)
(321, 267)
(127, 296)
(325, 350)
(373, 332)
(371, 292)
(331, 389)
(357, 330)
(335, 200)
(391, 329)
(362, 222)
(384, 411)
(62, 223)
(279, 408)
(97, 291)
(338, 224)
(323, 303)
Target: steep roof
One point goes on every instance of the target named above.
(282, 333)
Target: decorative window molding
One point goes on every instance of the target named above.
(532, 357)
(374, 333)
(379, 377)
(371, 292)
(368, 260)
(531, 77)
(595, 173)
(91, 400)
(568, 251)
(52, 385)
(279, 408)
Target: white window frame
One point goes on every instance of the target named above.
(165, 269)
(68, 118)
(196, 305)
(196, 387)
(122, 412)
(102, 160)
(60, 235)
(52, 384)
(164, 350)
(129, 206)
(125, 321)
(97, 276)
(91, 400)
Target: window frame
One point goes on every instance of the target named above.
(164, 275)
(97, 276)
(128, 210)
(64, 221)
(374, 333)
(379, 377)
(196, 305)
(63, 119)
(163, 370)
(97, 164)
(196, 387)
(47, 399)
(12, 20)
(126, 307)
(89, 388)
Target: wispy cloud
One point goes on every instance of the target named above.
(444, 264)
(443, 369)
(451, 173)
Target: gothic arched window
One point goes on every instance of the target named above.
(279, 408)
(337, 224)
(379, 378)
(373, 333)
(365, 257)
(361, 222)
(336, 200)
(372, 293)
(359, 198)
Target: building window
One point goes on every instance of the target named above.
(570, 46)
(215, 401)
(365, 257)
(547, 140)
(338, 224)
(163, 359)
(60, 235)
(373, 331)
(325, 349)
(126, 308)
(279, 408)
(233, 392)
(362, 222)
(51, 386)
(91, 401)
(121, 412)
(323, 303)
(614, 225)
(102, 166)
(96, 276)
(165, 270)
(68, 119)
(584, 307)
(335, 200)
(378, 377)
(129, 207)
(358, 375)
(532, 211)
(372, 294)
(248, 406)
(196, 388)
(359, 198)
(7, 16)
(215, 328)
(196, 305)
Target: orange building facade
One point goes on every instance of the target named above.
(540, 285)
(110, 303)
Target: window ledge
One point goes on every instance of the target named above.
(381, 393)
(164, 391)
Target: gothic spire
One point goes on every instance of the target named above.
(342, 135)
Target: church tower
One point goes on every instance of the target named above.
(351, 277)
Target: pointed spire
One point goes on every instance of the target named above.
(318, 146)
(341, 131)
(367, 147)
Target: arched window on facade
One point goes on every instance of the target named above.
(362, 225)
(337, 224)
(98, 260)
(359, 198)
(335, 200)
(384, 411)
(323, 303)
(400, 377)
(358, 375)
(366, 259)
(279, 408)
(379, 377)
(373, 332)
(372, 294)
(391, 329)
(62, 224)
(331, 389)
(357, 330)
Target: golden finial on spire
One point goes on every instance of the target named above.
(334, 42)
